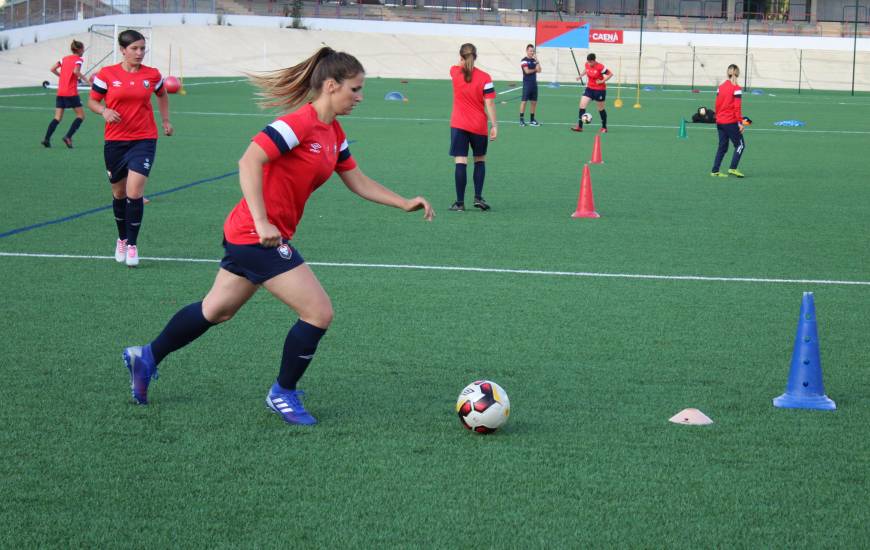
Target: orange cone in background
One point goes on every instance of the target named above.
(596, 150)
(585, 202)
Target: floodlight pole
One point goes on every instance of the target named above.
(746, 59)
(855, 47)
(640, 45)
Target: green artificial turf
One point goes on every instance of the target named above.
(594, 365)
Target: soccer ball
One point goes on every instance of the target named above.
(171, 84)
(483, 406)
(587, 118)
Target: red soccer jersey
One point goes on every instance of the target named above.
(468, 100)
(303, 152)
(596, 71)
(130, 95)
(728, 103)
(67, 84)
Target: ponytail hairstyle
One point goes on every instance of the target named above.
(288, 88)
(733, 71)
(468, 53)
(77, 47)
(128, 37)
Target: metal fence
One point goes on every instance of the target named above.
(700, 16)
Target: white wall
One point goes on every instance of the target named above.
(421, 50)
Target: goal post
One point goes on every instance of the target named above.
(103, 46)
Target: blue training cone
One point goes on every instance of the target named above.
(805, 389)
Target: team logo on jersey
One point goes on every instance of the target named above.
(116, 84)
(285, 251)
(316, 147)
(146, 83)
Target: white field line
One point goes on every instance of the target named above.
(587, 274)
(444, 120)
(24, 95)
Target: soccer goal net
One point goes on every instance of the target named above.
(103, 46)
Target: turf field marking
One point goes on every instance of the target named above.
(509, 91)
(266, 116)
(216, 82)
(24, 95)
(108, 206)
(587, 274)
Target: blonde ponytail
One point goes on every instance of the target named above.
(468, 53)
(291, 87)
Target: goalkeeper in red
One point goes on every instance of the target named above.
(729, 122)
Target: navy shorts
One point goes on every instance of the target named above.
(461, 139)
(530, 92)
(71, 102)
(123, 156)
(595, 95)
(257, 263)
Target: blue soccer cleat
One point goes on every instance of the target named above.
(140, 362)
(287, 404)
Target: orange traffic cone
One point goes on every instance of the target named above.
(596, 150)
(585, 202)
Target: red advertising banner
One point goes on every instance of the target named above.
(603, 36)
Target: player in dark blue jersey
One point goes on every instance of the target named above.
(531, 67)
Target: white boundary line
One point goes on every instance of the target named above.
(588, 274)
(267, 116)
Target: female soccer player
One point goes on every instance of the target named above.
(729, 123)
(473, 91)
(131, 135)
(280, 169)
(596, 90)
(531, 67)
(68, 72)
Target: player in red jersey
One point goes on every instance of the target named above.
(596, 90)
(68, 72)
(131, 135)
(281, 168)
(729, 123)
(473, 102)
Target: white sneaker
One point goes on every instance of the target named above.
(121, 251)
(132, 256)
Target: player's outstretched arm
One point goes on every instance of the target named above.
(371, 190)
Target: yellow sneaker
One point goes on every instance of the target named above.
(718, 175)
(736, 173)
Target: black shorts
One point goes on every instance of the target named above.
(461, 139)
(595, 95)
(257, 263)
(123, 156)
(530, 91)
(67, 102)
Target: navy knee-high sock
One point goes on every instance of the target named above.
(73, 128)
(185, 326)
(603, 114)
(479, 176)
(580, 117)
(51, 128)
(135, 208)
(299, 348)
(461, 178)
(119, 206)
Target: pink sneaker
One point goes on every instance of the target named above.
(132, 256)
(121, 251)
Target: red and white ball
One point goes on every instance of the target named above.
(171, 84)
(483, 406)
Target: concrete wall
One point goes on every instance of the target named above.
(418, 50)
